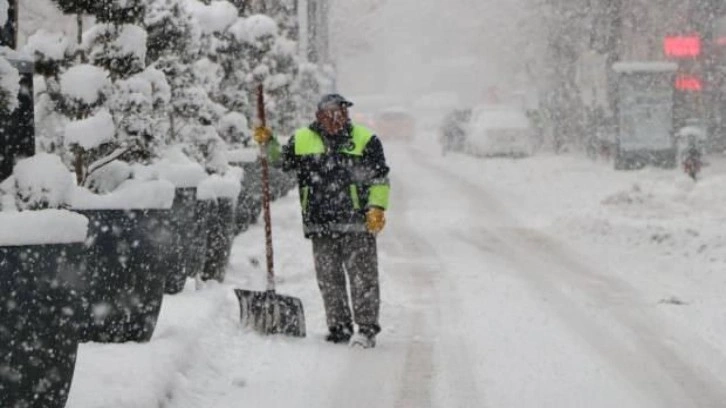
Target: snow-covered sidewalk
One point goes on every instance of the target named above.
(477, 301)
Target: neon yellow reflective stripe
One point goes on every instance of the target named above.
(361, 136)
(308, 142)
(378, 195)
(354, 196)
(305, 199)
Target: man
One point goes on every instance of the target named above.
(343, 183)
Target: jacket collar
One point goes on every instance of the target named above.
(337, 141)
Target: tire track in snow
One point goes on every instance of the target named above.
(655, 365)
(647, 358)
(431, 355)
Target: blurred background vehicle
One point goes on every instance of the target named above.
(431, 108)
(397, 124)
(500, 130)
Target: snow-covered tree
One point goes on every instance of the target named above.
(270, 59)
(312, 82)
(182, 37)
(109, 108)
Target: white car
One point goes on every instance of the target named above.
(499, 130)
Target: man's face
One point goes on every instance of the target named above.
(334, 119)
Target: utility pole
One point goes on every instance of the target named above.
(318, 13)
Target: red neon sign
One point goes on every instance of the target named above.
(686, 82)
(682, 46)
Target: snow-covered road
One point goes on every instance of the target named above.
(545, 282)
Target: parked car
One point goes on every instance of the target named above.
(395, 124)
(452, 130)
(500, 130)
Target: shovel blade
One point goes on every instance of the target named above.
(271, 313)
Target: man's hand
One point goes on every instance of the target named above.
(375, 220)
(262, 134)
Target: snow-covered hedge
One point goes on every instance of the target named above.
(42, 227)
(42, 182)
(216, 186)
(177, 168)
(129, 195)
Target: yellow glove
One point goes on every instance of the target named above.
(262, 134)
(375, 220)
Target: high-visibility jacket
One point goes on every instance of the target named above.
(339, 178)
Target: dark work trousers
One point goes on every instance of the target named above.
(353, 254)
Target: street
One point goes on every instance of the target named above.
(486, 303)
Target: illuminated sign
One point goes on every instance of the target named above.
(682, 46)
(686, 82)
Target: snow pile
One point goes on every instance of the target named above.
(128, 41)
(215, 17)
(49, 45)
(135, 375)
(669, 197)
(136, 89)
(41, 182)
(209, 73)
(246, 155)
(107, 178)
(179, 169)
(129, 195)
(254, 28)
(91, 132)
(42, 227)
(159, 84)
(85, 83)
(216, 186)
(233, 127)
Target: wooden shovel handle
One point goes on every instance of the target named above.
(266, 193)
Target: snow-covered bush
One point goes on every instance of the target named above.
(270, 60)
(181, 33)
(41, 182)
(111, 108)
(117, 11)
(172, 31)
(52, 51)
(234, 129)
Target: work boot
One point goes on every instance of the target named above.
(365, 338)
(339, 334)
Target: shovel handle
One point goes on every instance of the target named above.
(264, 164)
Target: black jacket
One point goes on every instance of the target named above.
(325, 181)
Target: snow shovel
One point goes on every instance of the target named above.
(268, 312)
